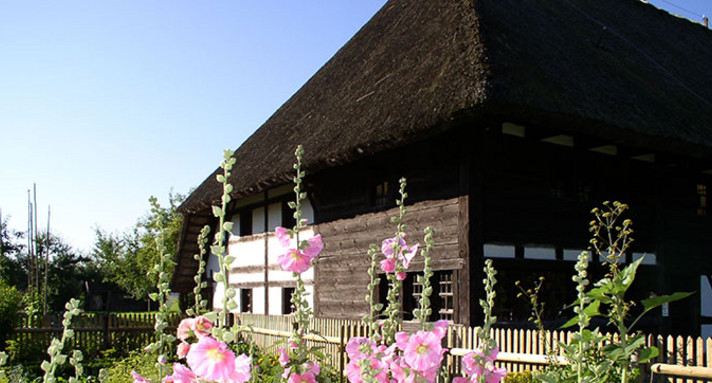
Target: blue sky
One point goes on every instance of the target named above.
(106, 103)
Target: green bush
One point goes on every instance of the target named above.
(518, 377)
(10, 300)
(140, 361)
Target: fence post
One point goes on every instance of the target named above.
(342, 348)
(107, 333)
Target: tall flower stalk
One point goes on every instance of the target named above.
(56, 357)
(200, 304)
(374, 308)
(394, 265)
(423, 312)
(297, 258)
(219, 248)
(162, 340)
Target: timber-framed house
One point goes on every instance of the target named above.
(511, 120)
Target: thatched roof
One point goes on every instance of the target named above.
(621, 70)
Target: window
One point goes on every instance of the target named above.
(442, 300)
(381, 195)
(246, 300)
(446, 295)
(701, 199)
(287, 306)
(245, 222)
(288, 220)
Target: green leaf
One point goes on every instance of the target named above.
(600, 294)
(217, 211)
(45, 366)
(648, 353)
(228, 337)
(651, 303)
(591, 310)
(628, 276)
(227, 226)
(211, 316)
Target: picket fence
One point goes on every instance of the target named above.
(520, 349)
(92, 332)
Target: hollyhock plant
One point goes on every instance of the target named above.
(211, 359)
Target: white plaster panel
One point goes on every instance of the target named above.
(248, 251)
(247, 277)
(275, 300)
(310, 295)
(258, 300)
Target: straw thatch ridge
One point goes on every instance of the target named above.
(620, 70)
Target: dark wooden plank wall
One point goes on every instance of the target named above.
(341, 270)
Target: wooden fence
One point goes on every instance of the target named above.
(92, 332)
(520, 349)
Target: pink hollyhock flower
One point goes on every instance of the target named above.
(423, 350)
(354, 373)
(211, 359)
(181, 374)
(185, 328)
(283, 236)
(388, 265)
(283, 357)
(182, 349)
(405, 255)
(495, 375)
(298, 261)
(306, 377)
(473, 362)
(202, 326)
(294, 260)
(243, 366)
(314, 247)
(314, 368)
(462, 380)
(354, 348)
(138, 378)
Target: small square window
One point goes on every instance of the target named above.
(381, 195)
(701, 199)
(246, 300)
(287, 306)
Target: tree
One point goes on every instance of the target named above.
(126, 259)
(11, 255)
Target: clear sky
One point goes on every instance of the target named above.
(105, 103)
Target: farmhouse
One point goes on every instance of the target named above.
(511, 120)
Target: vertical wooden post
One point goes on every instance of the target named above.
(107, 334)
